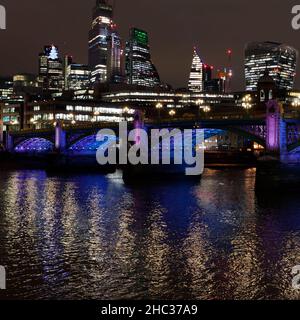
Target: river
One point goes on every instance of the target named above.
(94, 237)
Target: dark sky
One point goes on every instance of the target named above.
(174, 26)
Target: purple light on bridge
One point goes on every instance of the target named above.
(273, 126)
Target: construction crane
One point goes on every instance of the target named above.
(229, 70)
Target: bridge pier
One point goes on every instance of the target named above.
(1, 132)
(138, 124)
(9, 142)
(277, 135)
(276, 139)
(274, 126)
(60, 138)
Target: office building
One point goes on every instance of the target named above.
(115, 57)
(77, 76)
(6, 89)
(139, 68)
(50, 70)
(98, 40)
(196, 80)
(280, 60)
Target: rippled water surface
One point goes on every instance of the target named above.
(92, 236)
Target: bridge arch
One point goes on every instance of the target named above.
(294, 147)
(34, 145)
(88, 145)
(243, 133)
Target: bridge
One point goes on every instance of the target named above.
(277, 133)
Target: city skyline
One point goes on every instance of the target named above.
(173, 68)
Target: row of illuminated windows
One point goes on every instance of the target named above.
(97, 109)
(9, 110)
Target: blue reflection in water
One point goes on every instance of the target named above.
(94, 237)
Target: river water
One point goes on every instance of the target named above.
(93, 237)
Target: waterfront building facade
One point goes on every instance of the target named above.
(45, 114)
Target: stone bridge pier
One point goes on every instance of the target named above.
(277, 132)
(60, 138)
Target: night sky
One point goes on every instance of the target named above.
(174, 26)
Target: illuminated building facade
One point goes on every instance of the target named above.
(13, 111)
(11, 105)
(150, 97)
(6, 89)
(77, 76)
(45, 114)
(279, 59)
(196, 80)
(139, 68)
(98, 40)
(115, 62)
(50, 69)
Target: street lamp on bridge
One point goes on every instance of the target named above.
(206, 109)
(296, 103)
(247, 103)
(159, 106)
(126, 111)
(200, 103)
(172, 113)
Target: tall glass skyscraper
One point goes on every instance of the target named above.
(196, 81)
(115, 57)
(279, 59)
(139, 68)
(98, 40)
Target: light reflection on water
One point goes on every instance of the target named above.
(90, 236)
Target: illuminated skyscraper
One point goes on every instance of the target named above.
(115, 61)
(196, 81)
(98, 40)
(50, 69)
(279, 59)
(139, 68)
